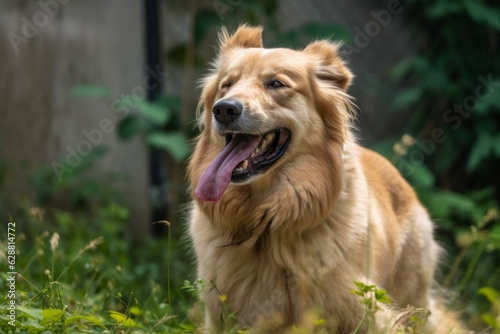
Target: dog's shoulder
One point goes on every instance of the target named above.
(387, 184)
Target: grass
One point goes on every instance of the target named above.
(79, 273)
(74, 277)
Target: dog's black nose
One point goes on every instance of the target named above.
(226, 111)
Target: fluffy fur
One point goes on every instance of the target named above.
(327, 213)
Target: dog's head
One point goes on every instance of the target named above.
(269, 112)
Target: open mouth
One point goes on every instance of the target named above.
(271, 147)
(243, 156)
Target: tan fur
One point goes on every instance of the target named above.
(328, 213)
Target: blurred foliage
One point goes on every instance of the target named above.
(77, 189)
(79, 268)
(157, 121)
(451, 153)
(210, 16)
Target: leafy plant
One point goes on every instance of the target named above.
(157, 121)
(492, 318)
(451, 152)
(79, 273)
(371, 298)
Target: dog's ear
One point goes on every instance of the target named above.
(329, 65)
(332, 77)
(244, 37)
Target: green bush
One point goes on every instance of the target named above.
(81, 271)
(451, 152)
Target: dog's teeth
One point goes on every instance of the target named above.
(266, 140)
(242, 166)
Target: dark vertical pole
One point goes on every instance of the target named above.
(156, 161)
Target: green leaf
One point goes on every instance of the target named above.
(122, 319)
(483, 14)
(87, 318)
(130, 126)
(481, 149)
(444, 8)
(381, 296)
(157, 113)
(174, 143)
(482, 195)
(490, 294)
(52, 314)
(356, 292)
(368, 288)
(88, 90)
(31, 326)
(443, 204)
(408, 97)
(188, 327)
(422, 177)
(31, 312)
(385, 300)
(380, 293)
(488, 104)
(135, 310)
(490, 320)
(359, 285)
(410, 65)
(172, 102)
(402, 68)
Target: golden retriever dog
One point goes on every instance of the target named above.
(289, 211)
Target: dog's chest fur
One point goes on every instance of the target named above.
(275, 279)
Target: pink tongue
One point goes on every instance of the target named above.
(215, 179)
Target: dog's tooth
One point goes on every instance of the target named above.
(245, 164)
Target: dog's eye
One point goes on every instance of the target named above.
(274, 84)
(226, 85)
